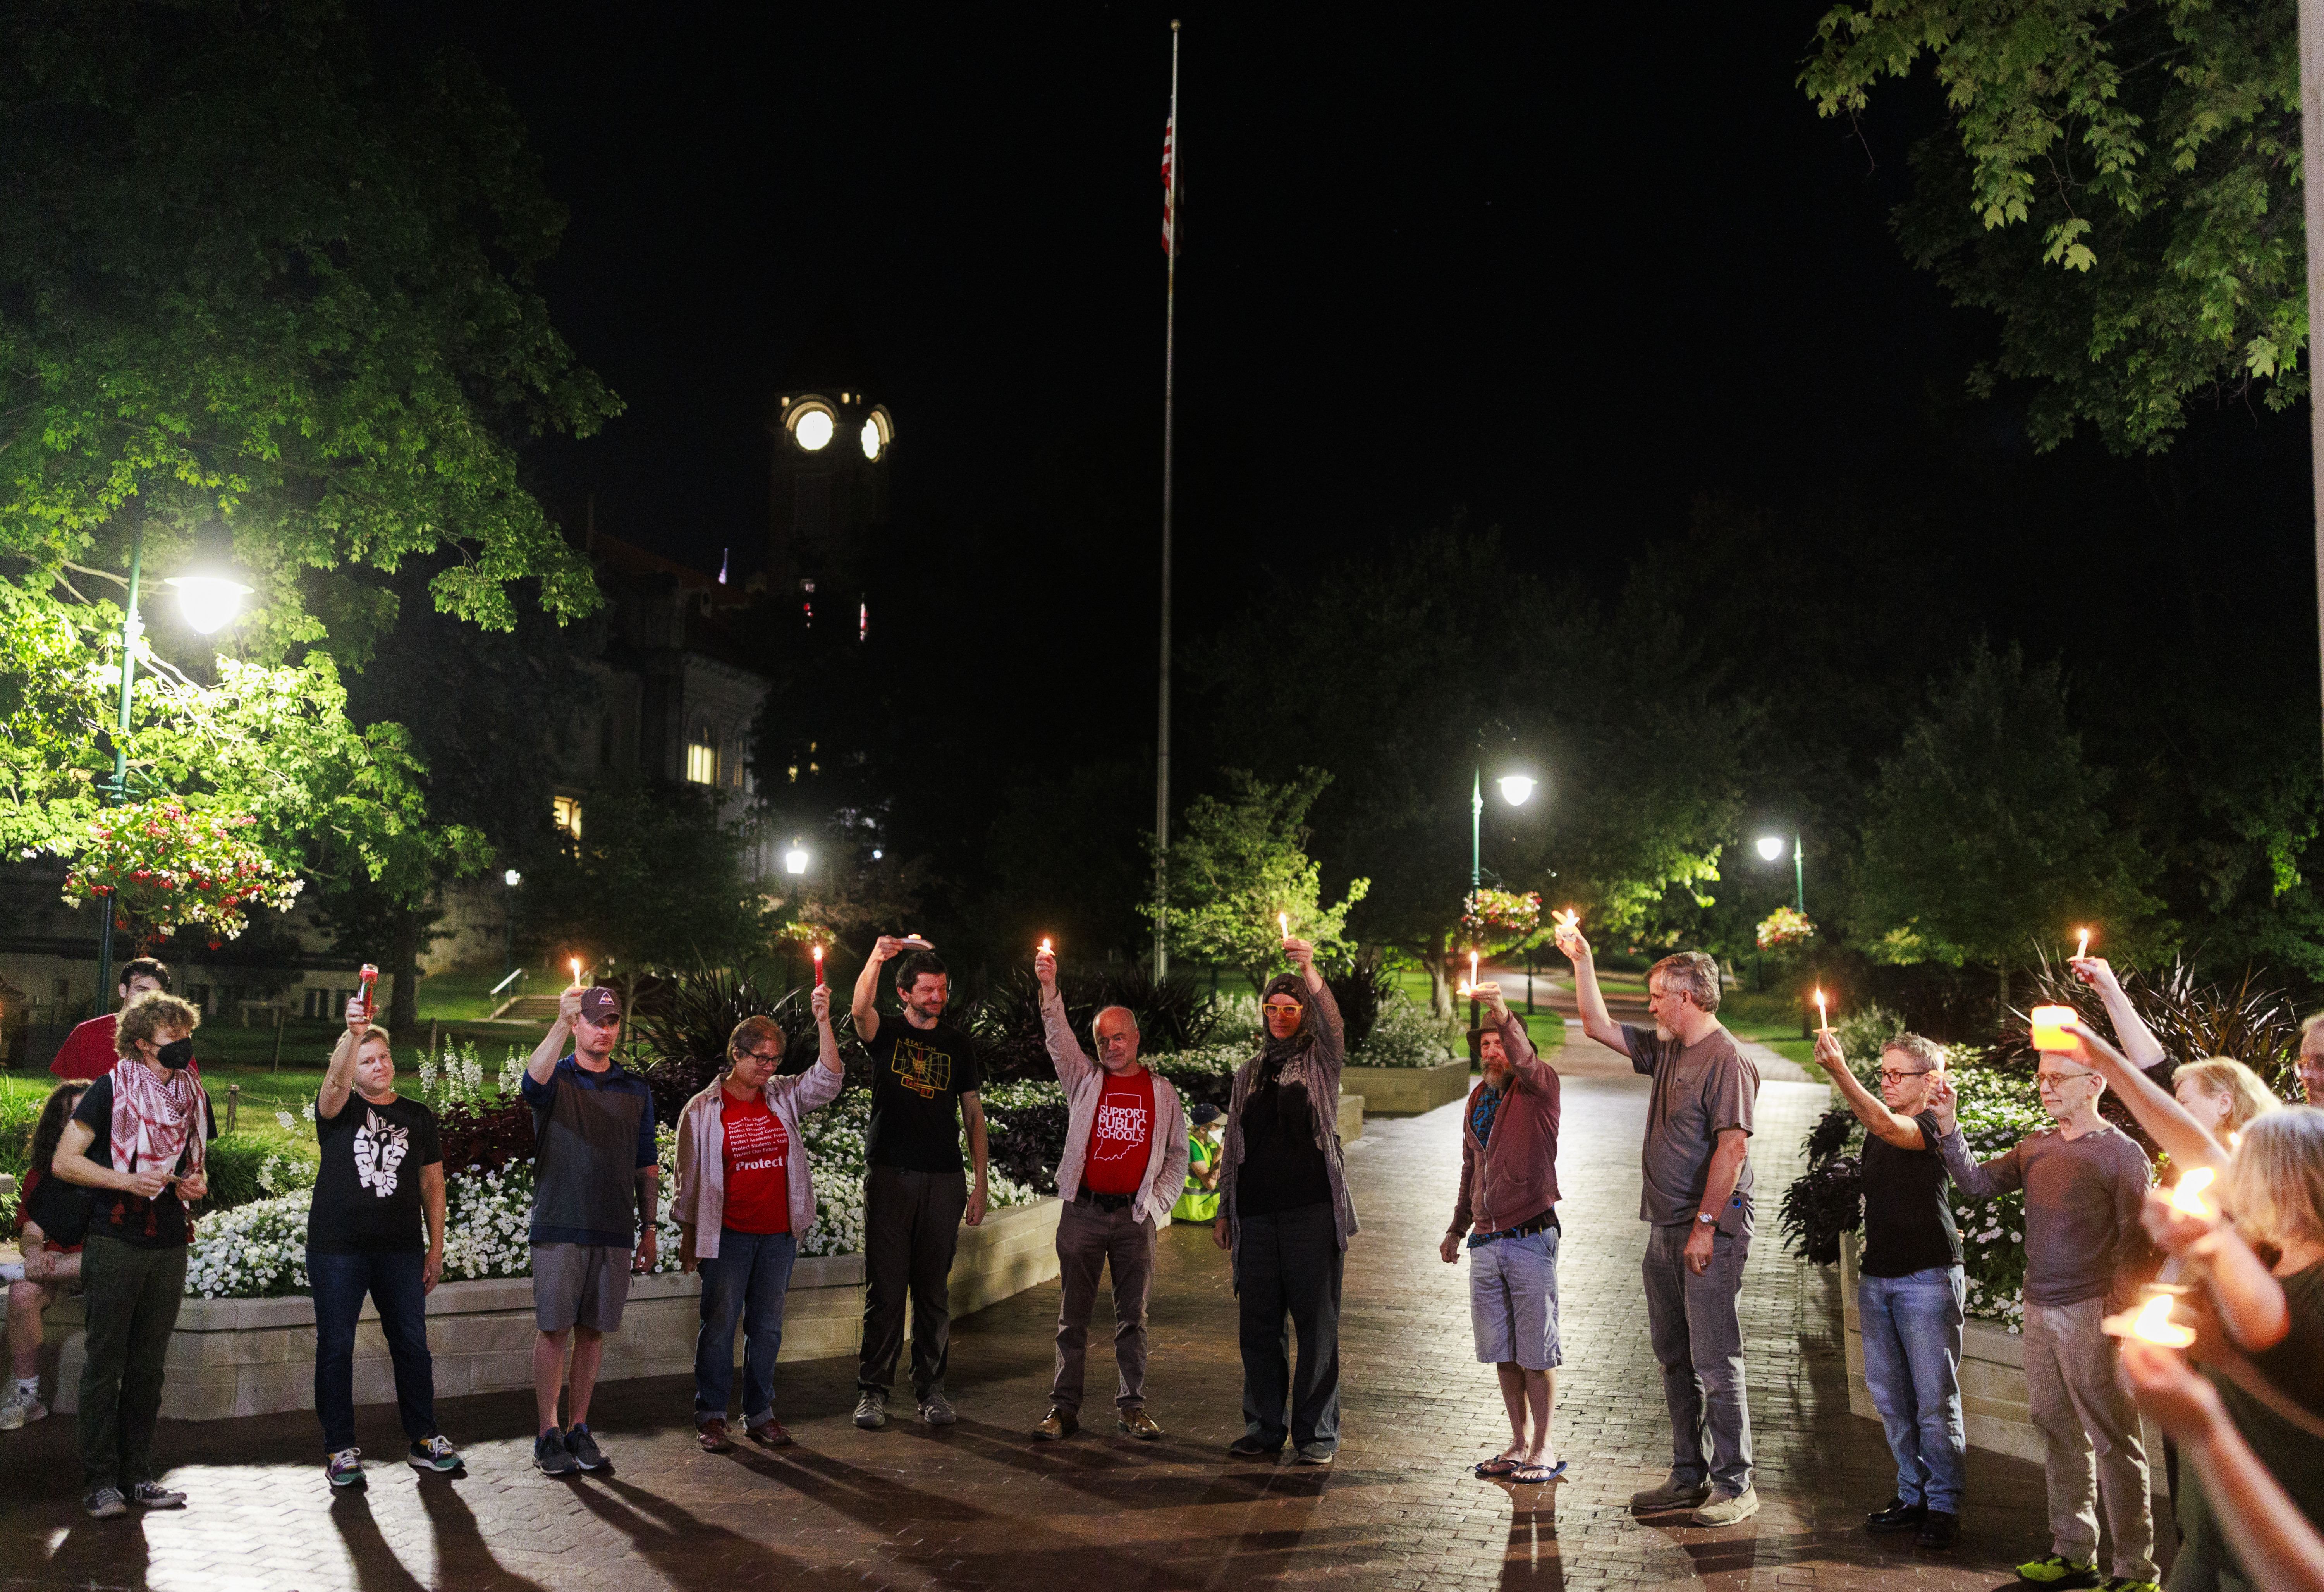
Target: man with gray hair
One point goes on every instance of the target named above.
(1123, 1166)
(1696, 1193)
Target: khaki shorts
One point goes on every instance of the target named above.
(579, 1285)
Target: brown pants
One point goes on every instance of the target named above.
(1088, 1239)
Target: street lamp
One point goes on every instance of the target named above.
(512, 878)
(209, 596)
(795, 860)
(1517, 789)
(1771, 849)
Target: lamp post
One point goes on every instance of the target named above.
(208, 597)
(1517, 789)
(1771, 848)
(512, 878)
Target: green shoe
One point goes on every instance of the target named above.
(2055, 1570)
(2124, 1584)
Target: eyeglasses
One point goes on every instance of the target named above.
(1289, 1009)
(1890, 1075)
(762, 1057)
(2059, 1080)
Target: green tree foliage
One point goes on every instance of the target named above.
(1986, 831)
(656, 880)
(249, 273)
(1238, 862)
(2118, 181)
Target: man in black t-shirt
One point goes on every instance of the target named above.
(381, 1174)
(923, 1084)
(1911, 1294)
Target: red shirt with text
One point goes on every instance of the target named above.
(1121, 1136)
(758, 1169)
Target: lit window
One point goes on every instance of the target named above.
(567, 813)
(702, 763)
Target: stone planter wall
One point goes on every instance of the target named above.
(1993, 1383)
(1399, 1091)
(1351, 1116)
(256, 1356)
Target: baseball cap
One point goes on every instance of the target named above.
(600, 1004)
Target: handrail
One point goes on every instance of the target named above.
(512, 979)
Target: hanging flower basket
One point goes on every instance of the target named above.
(1784, 928)
(1492, 918)
(167, 869)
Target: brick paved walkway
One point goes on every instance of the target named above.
(981, 1506)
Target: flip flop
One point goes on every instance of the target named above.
(1538, 1473)
(1501, 1466)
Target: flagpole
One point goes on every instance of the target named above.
(1170, 402)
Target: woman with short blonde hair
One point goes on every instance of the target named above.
(2222, 1094)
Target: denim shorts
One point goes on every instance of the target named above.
(1513, 1301)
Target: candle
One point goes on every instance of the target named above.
(2050, 1027)
(1283, 922)
(2187, 1198)
(369, 979)
(2151, 1323)
(1823, 1016)
(819, 967)
(1045, 946)
(577, 973)
(1567, 922)
(2083, 949)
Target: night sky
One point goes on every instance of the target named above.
(1559, 270)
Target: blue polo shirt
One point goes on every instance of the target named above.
(592, 1132)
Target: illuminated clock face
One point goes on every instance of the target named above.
(813, 431)
(870, 439)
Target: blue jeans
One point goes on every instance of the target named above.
(745, 1282)
(395, 1283)
(1912, 1363)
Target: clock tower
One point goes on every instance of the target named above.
(832, 442)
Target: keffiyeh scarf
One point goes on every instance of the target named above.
(155, 1120)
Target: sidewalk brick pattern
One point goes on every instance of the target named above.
(980, 1507)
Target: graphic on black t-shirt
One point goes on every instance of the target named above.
(381, 1146)
(925, 1070)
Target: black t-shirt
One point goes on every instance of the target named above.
(918, 1077)
(1908, 1222)
(60, 1209)
(368, 1189)
(1282, 1167)
(157, 1223)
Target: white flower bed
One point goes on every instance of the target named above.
(259, 1250)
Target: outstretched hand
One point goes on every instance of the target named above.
(2095, 972)
(1302, 952)
(1045, 968)
(1570, 944)
(819, 1003)
(1944, 1104)
(1827, 1054)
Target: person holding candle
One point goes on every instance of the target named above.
(1505, 1216)
(1912, 1293)
(1696, 1192)
(1125, 1158)
(2266, 1359)
(597, 1182)
(2221, 1094)
(925, 1090)
(744, 1195)
(1286, 1217)
(2084, 1181)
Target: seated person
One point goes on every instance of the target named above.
(52, 1217)
(1200, 1201)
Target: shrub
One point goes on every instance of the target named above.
(1007, 1028)
(232, 1164)
(1407, 1035)
(683, 1034)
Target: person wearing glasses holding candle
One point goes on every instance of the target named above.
(1125, 1159)
(1286, 1218)
(1912, 1293)
(1506, 1217)
(744, 1194)
(2085, 1182)
(1696, 1192)
(597, 1182)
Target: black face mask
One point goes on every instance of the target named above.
(177, 1055)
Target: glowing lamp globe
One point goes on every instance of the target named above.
(209, 601)
(512, 878)
(1517, 789)
(814, 430)
(1771, 846)
(795, 860)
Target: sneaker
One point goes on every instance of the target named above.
(152, 1495)
(20, 1409)
(1726, 1508)
(584, 1448)
(550, 1456)
(1939, 1527)
(1315, 1453)
(2055, 1570)
(436, 1453)
(769, 1432)
(1247, 1447)
(1674, 1493)
(871, 1409)
(345, 1469)
(1896, 1515)
(935, 1409)
(712, 1435)
(103, 1503)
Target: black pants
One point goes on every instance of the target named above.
(911, 1225)
(1287, 1266)
(132, 1295)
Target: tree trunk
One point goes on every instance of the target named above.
(2001, 1014)
(1440, 979)
(403, 1006)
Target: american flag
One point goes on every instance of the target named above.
(1169, 189)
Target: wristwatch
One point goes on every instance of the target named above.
(1708, 1221)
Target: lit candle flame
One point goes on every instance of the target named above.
(1823, 1016)
(1045, 947)
(2187, 1198)
(577, 973)
(2083, 949)
(1283, 922)
(2154, 1324)
(1565, 923)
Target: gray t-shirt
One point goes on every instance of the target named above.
(1699, 1090)
(2082, 1197)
